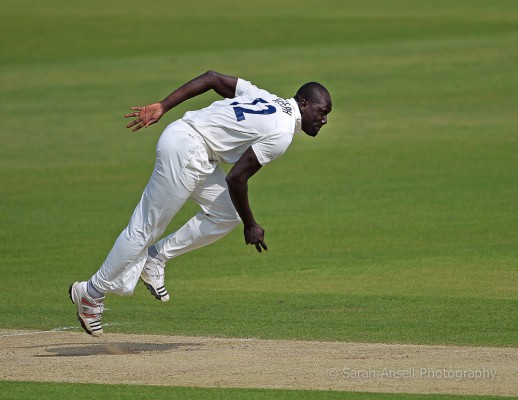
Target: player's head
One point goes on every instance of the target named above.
(314, 103)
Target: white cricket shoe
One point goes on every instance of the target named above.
(153, 276)
(89, 310)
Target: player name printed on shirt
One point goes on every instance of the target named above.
(285, 105)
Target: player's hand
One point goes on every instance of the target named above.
(254, 234)
(145, 116)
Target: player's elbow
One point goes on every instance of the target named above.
(230, 179)
(224, 85)
(212, 76)
(235, 180)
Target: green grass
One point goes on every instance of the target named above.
(33, 390)
(397, 224)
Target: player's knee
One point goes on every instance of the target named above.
(230, 219)
(234, 222)
(140, 237)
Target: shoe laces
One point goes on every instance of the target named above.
(93, 307)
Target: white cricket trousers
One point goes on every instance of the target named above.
(182, 171)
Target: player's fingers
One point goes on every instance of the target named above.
(264, 246)
(258, 247)
(151, 121)
(132, 123)
(135, 114)
(137, 128)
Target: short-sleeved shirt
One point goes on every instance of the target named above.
(254, 118)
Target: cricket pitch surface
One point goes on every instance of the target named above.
(64, 356)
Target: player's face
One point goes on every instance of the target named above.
(314, 115)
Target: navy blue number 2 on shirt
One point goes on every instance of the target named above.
(240, 111)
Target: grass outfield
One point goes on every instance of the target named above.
(51, 391)
(397, 224)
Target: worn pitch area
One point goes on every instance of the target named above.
(61, 356)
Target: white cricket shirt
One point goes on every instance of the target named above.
(253, 118)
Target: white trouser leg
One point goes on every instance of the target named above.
(182, 164)
(217, 218)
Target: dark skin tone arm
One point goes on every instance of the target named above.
(243, 169)
(237, 182)
(224, 85)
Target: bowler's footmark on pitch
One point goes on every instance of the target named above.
(162, 360)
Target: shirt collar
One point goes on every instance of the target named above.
(296, 115)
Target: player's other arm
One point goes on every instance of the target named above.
(237, 181)
(224, 85)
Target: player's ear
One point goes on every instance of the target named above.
(302, 105)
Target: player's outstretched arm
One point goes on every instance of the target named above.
(237, 181)
(224, 85)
